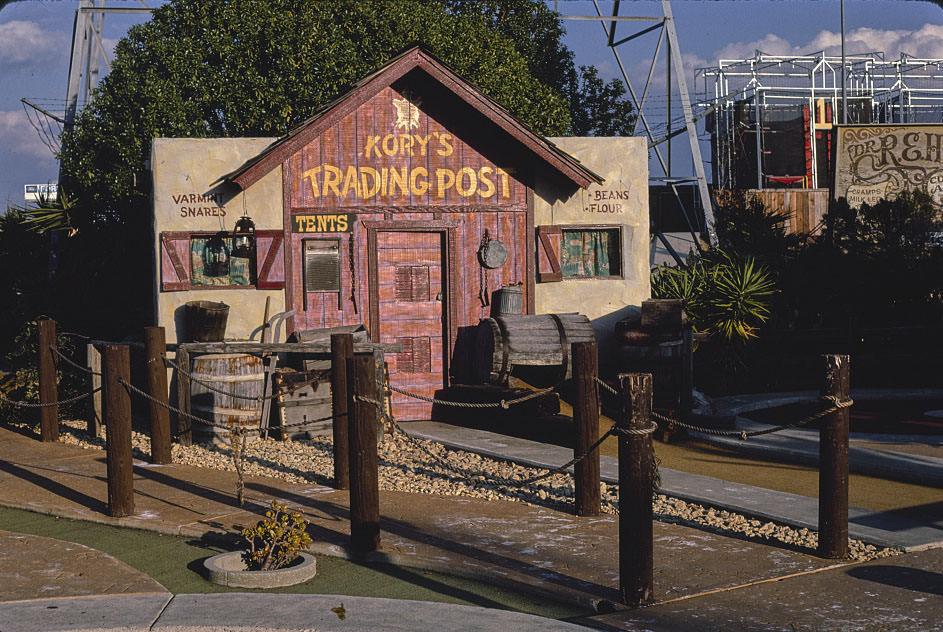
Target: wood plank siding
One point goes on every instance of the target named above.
(804, 208)
(420, 196)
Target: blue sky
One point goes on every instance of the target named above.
(35, 39)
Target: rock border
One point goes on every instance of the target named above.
(228, 569)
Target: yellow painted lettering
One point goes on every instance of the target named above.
(460, 181)
(384, 181)
(351, 181)
(330, 220)
(342, 223)
(322, 223)
(446, 149)
(312, 176)
(398, 178)
(368, 191)
(406, 144)
(299, 222)
(486, 186)
(422, 141)
(505, 183)
(332, 178)
(390, 146)
(445, 179)
(310, 223)
(372, 145)
(417, 186)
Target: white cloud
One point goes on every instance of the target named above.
(18, 139)
(24, 44)
(927, 41)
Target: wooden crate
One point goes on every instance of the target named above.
(304, 412)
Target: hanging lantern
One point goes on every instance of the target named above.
(216, 255)
(243, 237)
(243, 243)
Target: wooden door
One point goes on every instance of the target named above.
(410, 303)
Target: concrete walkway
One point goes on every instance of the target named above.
(883, 529)
(800, 445)
(703, 580)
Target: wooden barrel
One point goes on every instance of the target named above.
(532, 340)
(237, 373)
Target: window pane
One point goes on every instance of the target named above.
(590, 253)
(212, 263)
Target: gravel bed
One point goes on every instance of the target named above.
(405, 467)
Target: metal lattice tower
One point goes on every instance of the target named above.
(659, 137)
(88, 52)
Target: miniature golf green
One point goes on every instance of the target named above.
(175, 562)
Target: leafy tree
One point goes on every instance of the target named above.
(874, 266)
(597, 108)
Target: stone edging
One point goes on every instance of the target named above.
(228, 569)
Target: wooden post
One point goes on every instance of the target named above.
(636, 568)
(342, 349)
(184, 425)
(364, 477)
(686, 383)
(155, 346)
(833, 461)
(116, 364)
(586, 420)
(93, 359)
(48, 390)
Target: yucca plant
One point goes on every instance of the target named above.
(722, 294)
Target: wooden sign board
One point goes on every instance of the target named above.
(875, 162)
(322, 223)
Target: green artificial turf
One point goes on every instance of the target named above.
(175, 562)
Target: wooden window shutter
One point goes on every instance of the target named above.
(174, 261)
(270, 259)
(549, 240)
(411, 283)
(416, 356)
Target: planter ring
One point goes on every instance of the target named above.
(228, 569)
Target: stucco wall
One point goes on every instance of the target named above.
(623, 162)
(184, 168)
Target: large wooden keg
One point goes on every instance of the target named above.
(242, 375)
(504, 342)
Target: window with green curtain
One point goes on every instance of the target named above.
(590, 253)
(212, 263)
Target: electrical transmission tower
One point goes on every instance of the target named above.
(88, 52)
(675, 85)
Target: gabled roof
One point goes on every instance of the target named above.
(372, 84)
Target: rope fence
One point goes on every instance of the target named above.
(62, 402)
(743, 434)
(638, 465)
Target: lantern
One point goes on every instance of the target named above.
(216, 255)
(243, 243)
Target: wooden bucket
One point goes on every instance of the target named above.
(237, 373)
(535, 340)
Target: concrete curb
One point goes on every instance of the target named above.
(228, 569)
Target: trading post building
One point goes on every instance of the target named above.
(403, 206)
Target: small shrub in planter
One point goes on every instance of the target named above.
(276, 540)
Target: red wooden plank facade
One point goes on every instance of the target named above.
(420, 200)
